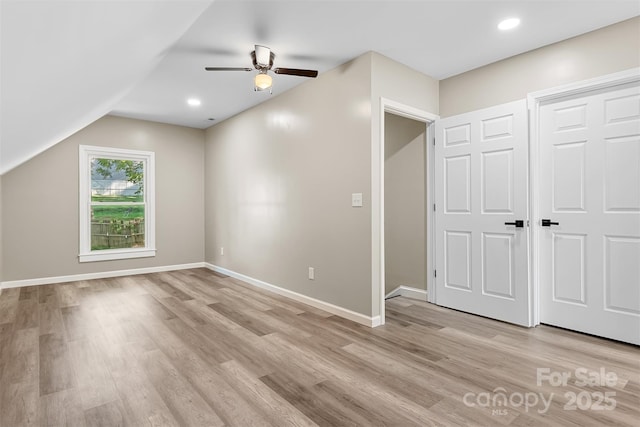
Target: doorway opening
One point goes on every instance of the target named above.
(395, 112)
(405, 190)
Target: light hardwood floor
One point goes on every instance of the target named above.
(194, 348)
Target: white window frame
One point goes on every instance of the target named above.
(86, 153)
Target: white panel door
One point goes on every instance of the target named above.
(481, 161)
(590, 187)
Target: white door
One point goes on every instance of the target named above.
(481, 161)
(590, 187)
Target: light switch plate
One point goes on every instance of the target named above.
(356, 200)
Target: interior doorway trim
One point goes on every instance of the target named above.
(377, 201)
(534, 101)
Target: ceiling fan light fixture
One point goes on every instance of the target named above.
(263, 81)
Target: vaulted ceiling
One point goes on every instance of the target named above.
(65, 64)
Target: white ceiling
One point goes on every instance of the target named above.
(66, 63)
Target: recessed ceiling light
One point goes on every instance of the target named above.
(508, 24)
(194, 102)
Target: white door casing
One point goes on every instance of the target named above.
(481, 183)
(589, 183)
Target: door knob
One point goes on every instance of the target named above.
(548, 223)
(519, 223)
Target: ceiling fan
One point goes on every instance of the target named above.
(262, 58)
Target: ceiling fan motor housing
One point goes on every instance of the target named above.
(262, 57)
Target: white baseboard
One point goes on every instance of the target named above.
(409, 292)
(331, 308)
(100, 275)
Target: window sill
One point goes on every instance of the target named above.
(113, 254)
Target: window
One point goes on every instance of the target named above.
(116, 204)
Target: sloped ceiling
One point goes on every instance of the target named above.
(67, 63)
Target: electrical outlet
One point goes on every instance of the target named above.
(221, 251)
(312, 273)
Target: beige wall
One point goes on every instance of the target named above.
(399, 83)
(40, 201)
(279, 179)
(608, 50)
(404, 197)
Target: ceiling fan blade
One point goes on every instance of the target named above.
(228, 68)
(296, 72)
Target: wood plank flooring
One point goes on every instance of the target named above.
(193, 348)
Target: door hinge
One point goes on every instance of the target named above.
(435, 273)
(434, 141)
(434, 207)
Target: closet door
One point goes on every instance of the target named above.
(482, 238)
(590, 205)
